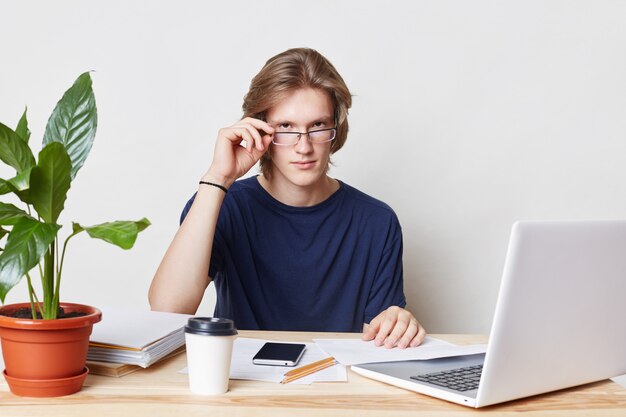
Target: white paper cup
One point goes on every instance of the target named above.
(209, 350)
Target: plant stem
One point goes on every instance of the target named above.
(57, 285)
(56, 256)
(60, 271)
(47, 281)
(38, 264)
(31, 292)
(39, 305)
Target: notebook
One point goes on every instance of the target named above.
(558, 323)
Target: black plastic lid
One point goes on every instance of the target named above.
(210, 326)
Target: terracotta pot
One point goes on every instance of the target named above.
(51, 352)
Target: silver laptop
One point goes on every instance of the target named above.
(559, 320)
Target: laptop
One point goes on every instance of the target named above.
(558, 323)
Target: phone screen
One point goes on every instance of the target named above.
(279, 354)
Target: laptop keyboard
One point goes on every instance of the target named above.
(461, 379)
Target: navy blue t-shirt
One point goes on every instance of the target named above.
(329, 267)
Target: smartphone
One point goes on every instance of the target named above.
(279, 354)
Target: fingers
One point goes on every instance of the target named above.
(241, 133)
(395, 327)
(403, 332)
(381, 326)
(249, 130)
(238, 148)
(419, 338)
(371, 329)
(386, 326)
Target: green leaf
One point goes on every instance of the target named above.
(122, 233)
(142, 224)
(9, 214)
(19, 185)
(76, 228)
(14, 151)
(4, 187)
(3, 233)
(74, 121)
(21, 181)
(22, 128)
(27, 242)
(49, 182)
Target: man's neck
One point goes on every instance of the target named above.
(298, 196)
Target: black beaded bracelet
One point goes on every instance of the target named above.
(221, 187)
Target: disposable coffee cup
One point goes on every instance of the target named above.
(209, 343)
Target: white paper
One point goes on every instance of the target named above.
(241, 366)
(356, 351)
(135, 328)
(151, 335)
(144, 357)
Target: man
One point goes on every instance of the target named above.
(290, 249)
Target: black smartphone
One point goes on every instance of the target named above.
(279, 354)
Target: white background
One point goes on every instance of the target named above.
(467, 116)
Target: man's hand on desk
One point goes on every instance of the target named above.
(395, 327)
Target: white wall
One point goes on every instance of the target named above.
(467, 116)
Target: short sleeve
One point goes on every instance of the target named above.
(186, 209)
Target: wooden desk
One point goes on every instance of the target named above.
(161, 391)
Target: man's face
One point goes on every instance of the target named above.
(305, 163)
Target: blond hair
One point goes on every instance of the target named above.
(292, 70)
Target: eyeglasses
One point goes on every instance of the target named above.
(315, 136)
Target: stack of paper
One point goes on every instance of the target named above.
(136, 337)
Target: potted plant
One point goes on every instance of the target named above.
(54, 364)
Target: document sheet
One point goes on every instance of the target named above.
(241, 366)
(356, 351)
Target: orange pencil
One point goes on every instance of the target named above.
(308, 369)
